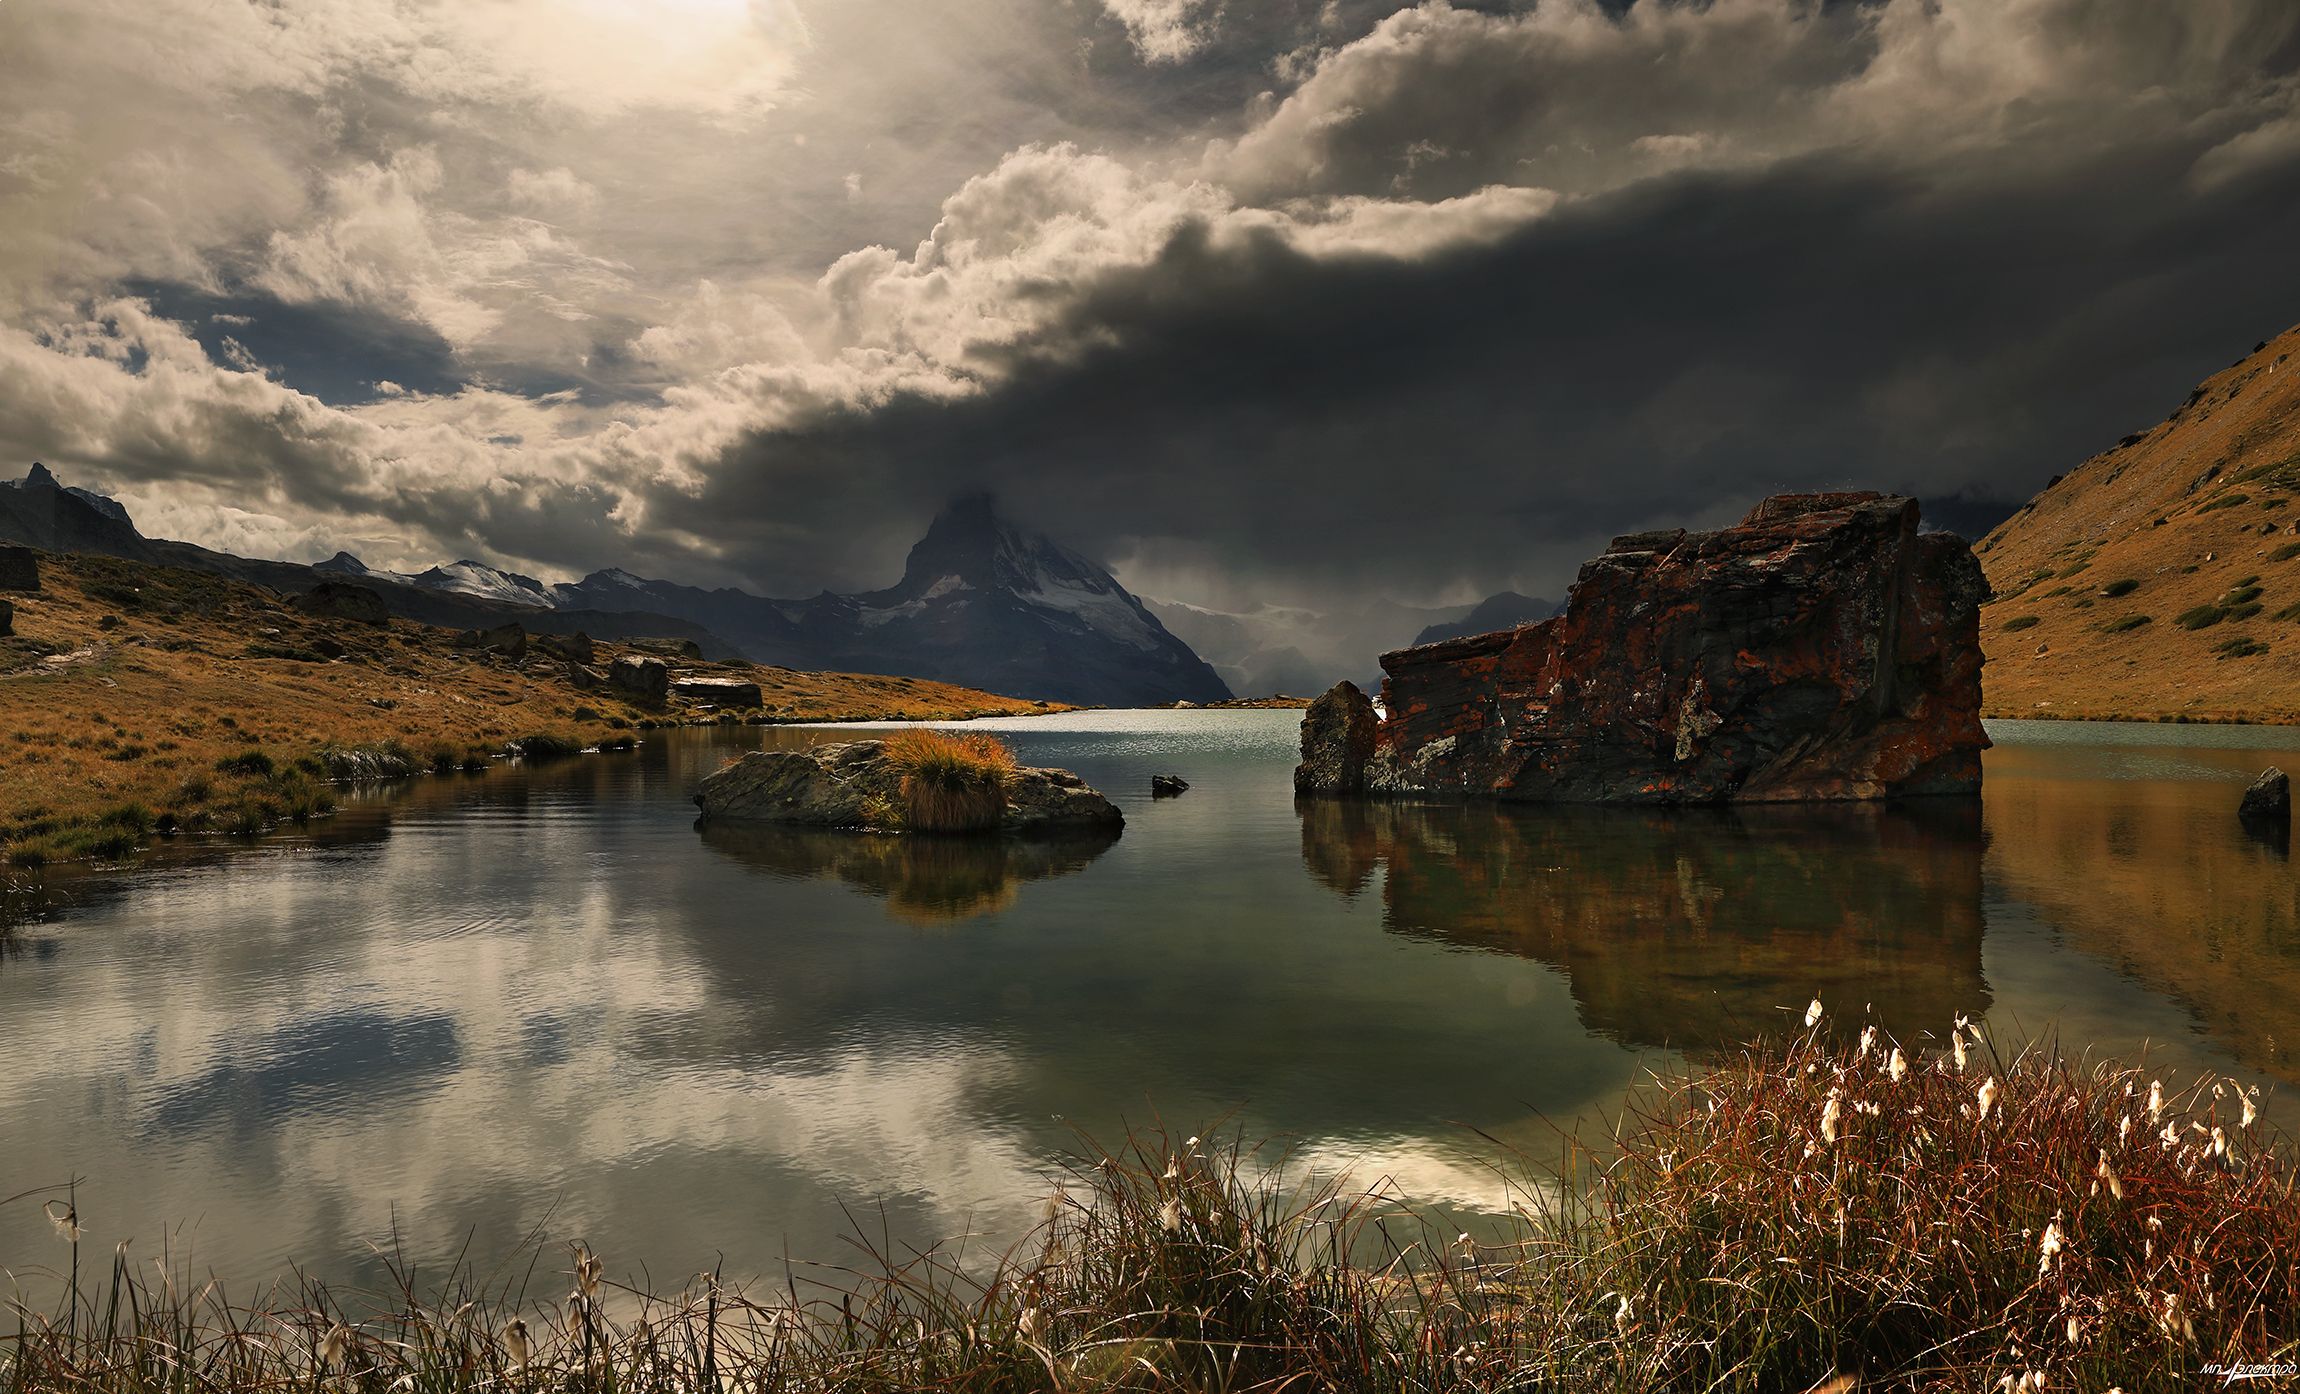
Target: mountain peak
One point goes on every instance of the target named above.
(971, 541)
(344, 562)
(40, 478)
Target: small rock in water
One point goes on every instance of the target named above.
(1166, 786)
(2269, 799)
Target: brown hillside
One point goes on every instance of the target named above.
(2161, 579)
(140, 701)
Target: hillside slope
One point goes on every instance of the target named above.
(139, 699)
(2160, 579)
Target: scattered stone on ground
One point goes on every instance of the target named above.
(719, 692)
(575, 648)
(648, 678)
(19, 568)
(510, 640)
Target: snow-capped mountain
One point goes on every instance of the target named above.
(982, 602)
(476, 579)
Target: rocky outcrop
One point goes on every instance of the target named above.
(852, 785)
(7, 620)
(1822, 649)
(1168, 786)
(341, 600)
(645, 678)
(718, 692)
(19, 569)
(1338, 734)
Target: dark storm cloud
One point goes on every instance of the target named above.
(1315, 300)
(1489, 416)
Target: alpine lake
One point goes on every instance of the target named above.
(485, 1015)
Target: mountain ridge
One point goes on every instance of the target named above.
(982, 603)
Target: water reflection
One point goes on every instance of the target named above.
(1687, 928)
(2150, 871)
(925, 880)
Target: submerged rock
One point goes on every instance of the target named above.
(1822, 649)
(2269, 800)
(853, 784)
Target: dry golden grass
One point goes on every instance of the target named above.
(951, 782)
(136, 699)
(2161, 579)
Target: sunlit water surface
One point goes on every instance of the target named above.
(471, 1010)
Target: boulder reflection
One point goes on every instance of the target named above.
(1687, 928)
(925, 880)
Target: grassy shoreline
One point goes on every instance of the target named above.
(1808, 1214)
(140, 702)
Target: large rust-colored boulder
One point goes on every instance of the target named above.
(1822, 649)
(19, 568)
(341, 600)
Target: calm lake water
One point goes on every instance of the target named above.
(541, 1000)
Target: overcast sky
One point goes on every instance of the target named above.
(1297, 301)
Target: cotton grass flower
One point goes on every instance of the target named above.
(67, 1224)
(1170, 1217)
(2156, 1101)
(2108, 1176)
(1831, 1111)
(516, 1342)
(1868, 1039)
(1897, 1068)
(333, 1348)
(2251, 1110)
(1813, 1014)
(1030, 1324)
(1957, 1046)
(2048, 1248)
(1987, 1100)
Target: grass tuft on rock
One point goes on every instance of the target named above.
(950, 782)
